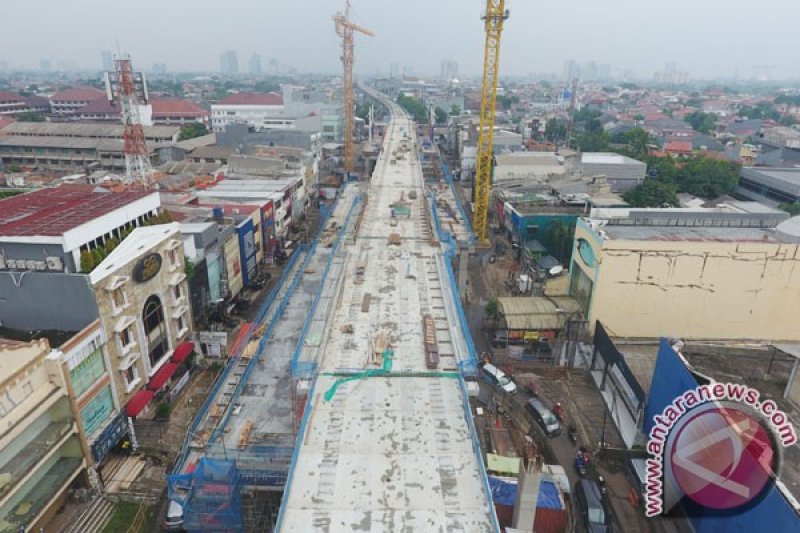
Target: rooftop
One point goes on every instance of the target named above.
(78, 94)
(7, 97)
(253, 99)
(68, 129)
(53, 211)
(133, 246)
(607, 158)
(176, 107)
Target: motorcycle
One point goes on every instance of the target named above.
(572, 434)
(580, 464)
(560, 412)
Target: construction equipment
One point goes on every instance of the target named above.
(138, 171)
(345, 29)
(494, 17)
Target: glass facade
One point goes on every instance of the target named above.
(97, 411)
(87, 372)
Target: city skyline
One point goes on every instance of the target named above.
(306, 40)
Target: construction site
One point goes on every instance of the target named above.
(348, 389)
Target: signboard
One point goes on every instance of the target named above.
(233, 264)
(214, 343)
(97, 411)
(178, 387)
(109, 437)
(87, 372)
(531, 335)
(147, 267)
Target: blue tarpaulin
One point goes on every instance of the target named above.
(503, 492)
(549, 496)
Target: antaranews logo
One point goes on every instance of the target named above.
(718, 444)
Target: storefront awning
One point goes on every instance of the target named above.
(138, 402)
(183, 351)
(162, 376)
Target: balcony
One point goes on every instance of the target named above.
(42, 488)
(15, 468)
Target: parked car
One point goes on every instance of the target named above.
(592, 506)
(543, 416)
(498, 378)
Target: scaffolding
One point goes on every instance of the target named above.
(210, 496)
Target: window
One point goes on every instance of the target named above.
(118, 298)
(126, 337)
(181, 323)
(155, 329)
(130, 375)
(172, 255)
(176, 290)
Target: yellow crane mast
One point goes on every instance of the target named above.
(345, 29)
(495, 16)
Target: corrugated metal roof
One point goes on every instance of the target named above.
(537, 312)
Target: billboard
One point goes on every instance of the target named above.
(233, 265)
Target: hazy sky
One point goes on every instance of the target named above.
(707, 38)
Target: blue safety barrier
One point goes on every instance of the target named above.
(301, 432)
(306, 369)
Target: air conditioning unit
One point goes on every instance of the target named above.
(11, 263)
(54, 263)
(30, 264)
(3, 262)
(41, 265)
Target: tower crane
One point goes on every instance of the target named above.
(345, 29)
(495, 16)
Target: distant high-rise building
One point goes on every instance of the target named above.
(229, 63)
(274, 67)
(589, 71)
(45, 65)
(254, 65)
(159, 69)
(571, 70)
(107, 61)
(449, 69)
(394, 70)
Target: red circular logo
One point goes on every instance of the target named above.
(722, 457)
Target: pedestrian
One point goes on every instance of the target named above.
(126, 446)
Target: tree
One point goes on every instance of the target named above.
(652, 193)
(702, 122)
(87, 261)
(415, 107)
(793, 208)
(638, 143)
(492, 310)
(708, 178)
(592, 142)
(455, 110)
(555, 131)
(190, 131)
(441, 115)
(30, 116)
(638, 117)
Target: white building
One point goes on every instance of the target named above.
(621, 172)
(260, 110)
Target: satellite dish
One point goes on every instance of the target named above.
(555, 271)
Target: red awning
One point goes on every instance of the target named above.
(183, 351)
(138, 402)
(162, 376)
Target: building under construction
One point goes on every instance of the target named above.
(331, 403)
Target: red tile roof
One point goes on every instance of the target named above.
(678, 147)
(6, 121)
(176, 107)
(6, 97)
(52, 211)
(78, 94)
(253, 99)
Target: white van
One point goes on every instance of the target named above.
(497, 377)
(174, 519)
